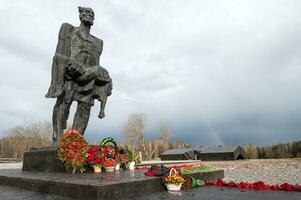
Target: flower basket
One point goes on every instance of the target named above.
(110, 165)
(109, 151)
(97, 169)
(131, 165)
(96, 158)
(132, 157)
(117, 167)
(173, 180)
(110, 168)
(173, 187)
(122, 158)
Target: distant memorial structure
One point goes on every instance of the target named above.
(76, 76)
(222, 153)
(205, 153)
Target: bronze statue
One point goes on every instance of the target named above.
(77, 75)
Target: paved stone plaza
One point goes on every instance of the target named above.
(12, 193)
(217, 193)
(271, 171)
(205, 193)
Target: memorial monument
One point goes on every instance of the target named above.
(77, 75)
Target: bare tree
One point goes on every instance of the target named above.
(134, 131)
(21, 138)
(165, 131)
(251, 151)
(156, 147)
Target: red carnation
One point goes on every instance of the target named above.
(219, 182)
(275, 187)
(231, 184)
(287, 187)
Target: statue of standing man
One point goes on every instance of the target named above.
(77, 75)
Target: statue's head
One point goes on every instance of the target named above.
(86, 15)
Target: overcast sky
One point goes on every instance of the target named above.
(219, 72)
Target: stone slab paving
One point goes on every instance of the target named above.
(217, 193)
(271, 171)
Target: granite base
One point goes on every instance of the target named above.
(42, 160)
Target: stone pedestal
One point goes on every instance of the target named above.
(42, 160)
(120, 185)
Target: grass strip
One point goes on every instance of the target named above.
(201, 169)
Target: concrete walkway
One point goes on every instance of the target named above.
(14, 165)
(217, 193)
(11, 193)
(205, 193)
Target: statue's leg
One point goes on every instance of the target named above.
(55, 118)
(60, 117)
(81, 117)
(66, 116)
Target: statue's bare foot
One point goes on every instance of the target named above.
(101, 115)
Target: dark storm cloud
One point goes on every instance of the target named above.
(219, 72)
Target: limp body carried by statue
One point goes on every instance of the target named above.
(77, 75)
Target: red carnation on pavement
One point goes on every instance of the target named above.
(287, 187)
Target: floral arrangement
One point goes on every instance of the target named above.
(110, 155)
(184, 169)
(109, 152)
(110, 163)
(107, 140)
(106, 154)
(132, 157)
(73, 151)
(96, 156)
(260, 185)
(122, 158)
(173, 178)
(192, 182)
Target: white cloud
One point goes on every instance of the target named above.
(202, 63)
